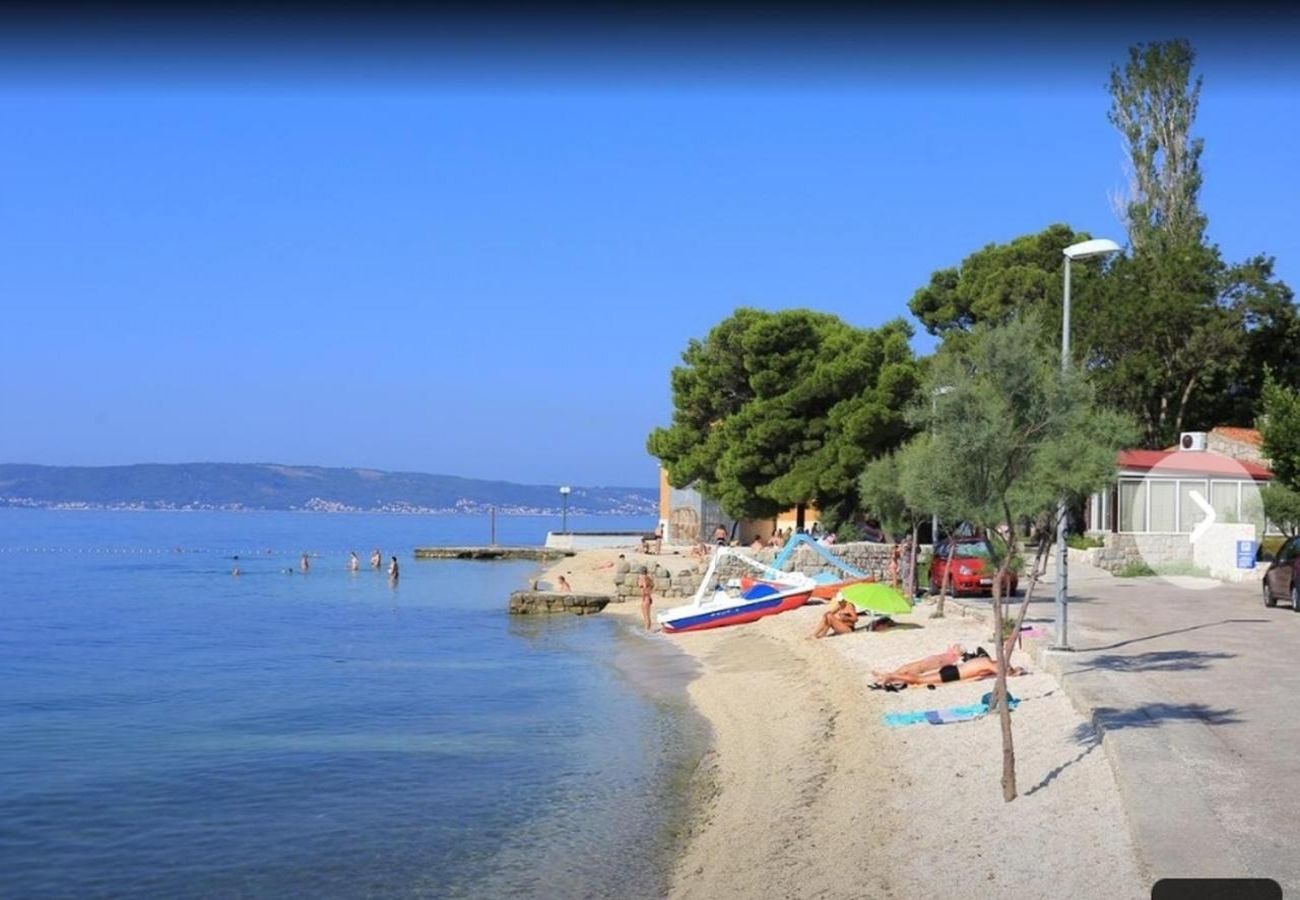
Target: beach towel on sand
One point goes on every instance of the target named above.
(945, 716)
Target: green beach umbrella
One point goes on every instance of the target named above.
(877, 598)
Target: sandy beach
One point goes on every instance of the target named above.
(805, 791)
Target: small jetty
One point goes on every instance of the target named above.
(492, 553)
(525, 603)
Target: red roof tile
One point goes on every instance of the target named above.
(1240, 435)
(1191, 462)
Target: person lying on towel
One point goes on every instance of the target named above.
(951, 665)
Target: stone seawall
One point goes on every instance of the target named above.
(530, 602)
(494, 552)
(681, 577)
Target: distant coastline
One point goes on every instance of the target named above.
(238, 487)
(322, 507)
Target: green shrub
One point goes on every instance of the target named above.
(1272, 543)
(1135, 570)
(848, 533)
(1083, 542)
(1183, 567)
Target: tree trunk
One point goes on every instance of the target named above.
(1182, 404)
(1040, 566)
(946, 584)
(911, 567)
(1006, 643)
(1005, 648)
(1000, 689)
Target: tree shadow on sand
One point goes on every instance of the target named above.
(1088, 738)
(1154, 661)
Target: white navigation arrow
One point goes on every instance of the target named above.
(1209, 516)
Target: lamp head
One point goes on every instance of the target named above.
(1096, 247)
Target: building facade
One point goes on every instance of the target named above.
(688, 517)
(1163, 491)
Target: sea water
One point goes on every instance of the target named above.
(169, 729)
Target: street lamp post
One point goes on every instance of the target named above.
(564, 516)
(934, 408)
(1083, 250)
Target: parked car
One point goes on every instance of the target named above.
(1280, 582)
(973, 569)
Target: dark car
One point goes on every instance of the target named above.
(1280, 582)
(973, 569)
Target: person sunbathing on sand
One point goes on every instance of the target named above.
(840, 619)
(610, 564)
(953, 655)
(973, 669)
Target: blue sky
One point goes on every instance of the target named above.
(487, 268)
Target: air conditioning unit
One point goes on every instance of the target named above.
(1192, 440)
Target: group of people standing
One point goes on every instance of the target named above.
(376, 562)
(354, 563)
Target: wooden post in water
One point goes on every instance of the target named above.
(494, 526)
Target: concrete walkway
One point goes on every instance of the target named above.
(1194, 694)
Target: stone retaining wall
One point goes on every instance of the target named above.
(1123, 550)
(681, 578)
(1214, 551)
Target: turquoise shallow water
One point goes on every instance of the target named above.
(170, 730)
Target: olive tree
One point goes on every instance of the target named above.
(1025, 436)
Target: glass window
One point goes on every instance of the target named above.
(1163, 511)
(1132, 505)
(1190, 512)
(974, 550)
(1223, 497)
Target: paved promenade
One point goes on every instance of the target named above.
(1195, 698)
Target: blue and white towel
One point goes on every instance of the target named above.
(946, 716)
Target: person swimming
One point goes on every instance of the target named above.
(354, 563)
(392, 569)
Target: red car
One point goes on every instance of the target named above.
(973, 569)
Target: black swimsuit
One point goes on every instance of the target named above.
(949, 673)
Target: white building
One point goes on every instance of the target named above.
(1154, 493)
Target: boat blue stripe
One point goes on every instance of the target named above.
(713, 616)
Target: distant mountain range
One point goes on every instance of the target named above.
(266, 486)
